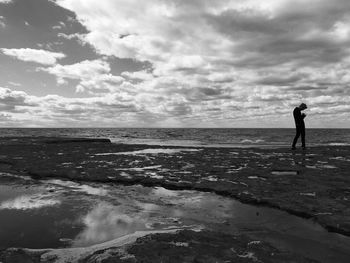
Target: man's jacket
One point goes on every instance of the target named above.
(298, 117)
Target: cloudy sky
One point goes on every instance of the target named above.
(174, 63)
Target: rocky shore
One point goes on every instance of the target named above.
(181, 246)
(311, 184)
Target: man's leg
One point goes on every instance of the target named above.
(302, 132)
(297, 134)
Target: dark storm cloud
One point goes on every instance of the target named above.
(301, 35)
(278, 80)
(306, 88)
(40, 16)
(31, 24)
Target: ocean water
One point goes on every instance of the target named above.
(192, 136)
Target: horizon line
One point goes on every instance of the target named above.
(170, 128)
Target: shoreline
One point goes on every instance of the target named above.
(177, 142)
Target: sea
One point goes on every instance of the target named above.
(196, 137)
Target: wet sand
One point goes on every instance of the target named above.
(311, 184)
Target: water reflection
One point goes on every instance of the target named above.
(151, 151)
(25, 202)
(106, 222)
(110, 211)
(85, 188)
(19, 194)
(160, 191)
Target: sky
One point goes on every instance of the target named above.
(174, 63)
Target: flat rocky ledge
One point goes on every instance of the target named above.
(313, 184)
(49, 140)
(174, 246)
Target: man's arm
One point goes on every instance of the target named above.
(299, 118)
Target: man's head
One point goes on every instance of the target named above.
(302, 106)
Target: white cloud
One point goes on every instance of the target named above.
(167, 31)
(5, 1)
(228, 62)
(145, 108)
(71, 36)
(10, 100)
(138, 75)
(2, 22)
(60, 25)
(92, 75)
(22, 109)
(80, 70)
(14, 83)
(210, 59)
(34, 55)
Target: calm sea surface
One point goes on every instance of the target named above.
(192, 136)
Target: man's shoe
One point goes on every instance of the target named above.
(304, 148)
(293, 148)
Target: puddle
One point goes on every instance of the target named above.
(106, 222)
(151, 151)
(55, 213)
(257, 178)
(140, 169)
(313, 194)
(76, 187)
(211, 178)
(327, 166)
(311, 166)
(285, 172)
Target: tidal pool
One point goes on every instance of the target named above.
(56, 214)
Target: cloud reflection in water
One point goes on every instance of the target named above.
(25, 202)
(77, 187)
(106, 222)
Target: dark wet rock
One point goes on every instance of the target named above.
(319, 188)
(76, 140)
(18, 255)
(49, 140)
(178, 247)
(191, 246)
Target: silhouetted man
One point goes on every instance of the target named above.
(299, 125)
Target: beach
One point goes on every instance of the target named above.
(311, 185)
